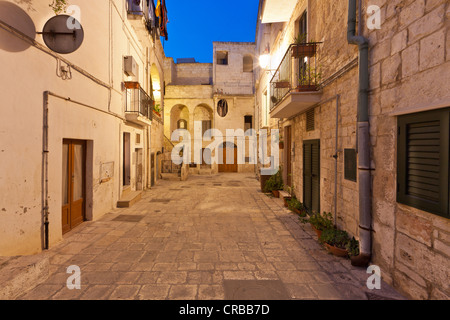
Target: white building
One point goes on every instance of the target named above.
(77, 131)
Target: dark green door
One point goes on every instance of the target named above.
(311, 175)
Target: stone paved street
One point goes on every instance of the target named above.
(184, 240)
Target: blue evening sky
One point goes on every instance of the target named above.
(194, 25)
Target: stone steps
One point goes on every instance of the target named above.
(129, 198)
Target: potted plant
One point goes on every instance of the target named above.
(280, 84)
(295, 205)
(157, 109)
(353, 250)
(302, 48)
(309, 80)
(321, 222)
(281, 144)
(336, 241)
(275, 184)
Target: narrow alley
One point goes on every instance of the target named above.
(209, 238)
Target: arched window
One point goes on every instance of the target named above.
(248, 64)
(182, 124)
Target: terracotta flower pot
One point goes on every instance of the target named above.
(304, 50)
(276, 193)
(318, 232)
(337, 251)
(286, 199)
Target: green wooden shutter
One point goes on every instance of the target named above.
(311, 175)
(307, 176)
(315, 163)
(423, 161)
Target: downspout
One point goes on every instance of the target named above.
(364, 175)
(45, 151)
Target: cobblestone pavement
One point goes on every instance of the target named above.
(184, 240)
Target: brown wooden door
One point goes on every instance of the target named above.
(229, 158)
(73, 184)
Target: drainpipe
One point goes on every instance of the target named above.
(364, 176)
(45, 151)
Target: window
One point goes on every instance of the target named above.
(265, 111)
(310, 120)
(182, 124)
(248, 64)
(222, 108)
(423, 161)
(222, 58)
(248, 123)
(206, 125)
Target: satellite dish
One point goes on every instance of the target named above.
(63, 34)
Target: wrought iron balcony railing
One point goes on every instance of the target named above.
(138, 101)
(297, 72)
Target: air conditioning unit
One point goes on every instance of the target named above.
(130, 67)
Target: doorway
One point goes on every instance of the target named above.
(311, 175)
(288, 155)
(139, 169)
(73, 184)
(229, 156)
(126, 159)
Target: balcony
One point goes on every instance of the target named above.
(138, 104)
(141, 18)
(295, 85)
(277, 10)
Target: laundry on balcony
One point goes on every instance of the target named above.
(161, 13)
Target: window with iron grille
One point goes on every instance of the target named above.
(423, 161)
(310, 120)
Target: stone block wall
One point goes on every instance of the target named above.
(409, 65)
(231, 79)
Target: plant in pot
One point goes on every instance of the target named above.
(309, 80)
(353, 249)
(321, 222)
(274, 184)
(336, 241)
(282, 84)
(295, 205)
(157, 109)
(302, 48)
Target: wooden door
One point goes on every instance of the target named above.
(229, 152)
(73, 184)
(311, 175)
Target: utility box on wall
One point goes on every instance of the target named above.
(130, 67)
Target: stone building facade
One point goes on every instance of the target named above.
(217, 96)
(77, 142)
(408, 67)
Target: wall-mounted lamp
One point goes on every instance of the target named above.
(264, 59)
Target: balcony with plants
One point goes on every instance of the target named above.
(138, 104)
(295, 86)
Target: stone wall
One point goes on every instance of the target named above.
(231, 79)
(409, 63)
(409, 67)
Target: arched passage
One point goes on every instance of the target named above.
(179, 118)
(156, 87)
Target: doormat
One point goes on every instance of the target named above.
(128, 218)
(255, 290)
